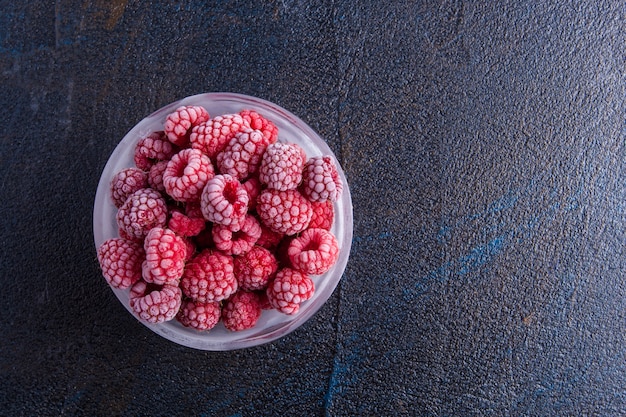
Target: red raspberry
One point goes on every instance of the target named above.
(237, 242)
(186, 175)
(242, 311)
(190, 249)
(253, 187)
(165, 257)
(180, 123)
(323, 215)
(321, 180)
(242, 155)
(269, 239)
(287, 212)
(155, 176)
(289, 289)
(281, 166)
(256, 121)
(124, 235)
(183, 225)
(153, 148)
(126, 182)
(209, 276)
(212, 136)
(120, 261)
(224, 200)
(255, 268)
(314, 251)
(142, 210)
(155, 303)
(199, 316)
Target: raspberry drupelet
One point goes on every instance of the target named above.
(186, 175)
(314, 252)
(242, 155)
(281, 166)
(179, 124)
(213, 135)
(126, 182)
(289, 289)
(165, 257)
(209, 276)
(199, 316)
(241, 311)
(153, 148)
(154, 303)
(320, 179)
(239, 241)
(224, 200)
(255, 268)
(142, 210)
(287, 212)
(120, 261)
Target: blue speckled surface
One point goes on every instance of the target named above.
(485, 149)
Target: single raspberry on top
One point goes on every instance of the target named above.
(199, 316)
(289, 289)
(287, 212)
(209, 276)
(281, 166)
(126, 182)
(224, 200)
(142, 210)
(120, 261)
(179, 123)
(153, 148)
(186, 175)
(323, 215)
(241, 157)
(256, 121)
(213, 135)
(241, 311)
(155, 303)
(320, 179)
(255, 268)
(314, 252)
(165, 257)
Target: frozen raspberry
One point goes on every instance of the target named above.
(126, 182)
(242, 155)
(289, 289)
(323, 215)
(281, 166)
(314, 251)
(224, 200)
(237, 242)
(254, 269)
(155, 176)
(213, 135)
(124, 235)
(179, 123)
(256, 121)
(253, 187)
(321, 180)
(120, 261)
(209, 276)
(269, 239)
(199, 316)
(155, 303)
(183, 225)
(190, 249)
(153, 148)
(142, 210)
(186, 175)
(287, 212)
(165, 257)
(242, 311)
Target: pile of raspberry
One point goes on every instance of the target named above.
(219, 220)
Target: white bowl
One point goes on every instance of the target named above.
(272, 324)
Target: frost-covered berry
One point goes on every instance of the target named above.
(241, 157)
(224, 200)
(179, 123)
(142, 210)
(199, 316)
(153, 148)
(154, 303)
(186, 175)
(165, 257)
(255, 268)
(256, 121)
(242, 311)
(323, 215)
(282, 165)
(126, 182)
(209, 276)
(120, 261)
(320, 179)
(289, 289)
(155, 176)
(287, 212)
(213, 135)
(253, 187)
(239, 241)
(184, 225)
(314, 251)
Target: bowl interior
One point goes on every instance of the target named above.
(272, 324)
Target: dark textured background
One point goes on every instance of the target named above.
(485, 150)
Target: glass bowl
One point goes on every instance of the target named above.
(272, 324)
